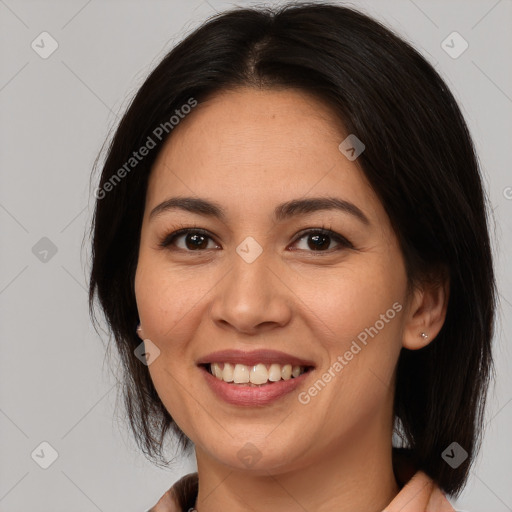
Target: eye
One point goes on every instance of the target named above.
(197, 239)
(319, 240)
(194, 239)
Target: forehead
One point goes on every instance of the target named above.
(259, 145)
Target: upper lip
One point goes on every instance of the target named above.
(253, 357)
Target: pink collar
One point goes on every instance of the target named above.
(419, 494)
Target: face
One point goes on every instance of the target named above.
(259, 283)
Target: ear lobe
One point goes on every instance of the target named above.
(426, 314)
(139, 331)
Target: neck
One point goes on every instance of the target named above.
(355, 477)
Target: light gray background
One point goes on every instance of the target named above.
(56, 113)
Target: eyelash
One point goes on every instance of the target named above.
(169, 238)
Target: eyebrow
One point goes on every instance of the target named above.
(282, 212)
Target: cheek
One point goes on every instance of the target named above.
(358, 319)
(166, 309)
(167, 300)
(170, 305)
(346, 301)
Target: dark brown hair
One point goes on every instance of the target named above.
(419, 159)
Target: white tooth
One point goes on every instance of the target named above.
(286, 372)
(274, 372)
(259, 374)
(296, 371)
(216, 370)
(241, 374)
(227, 373)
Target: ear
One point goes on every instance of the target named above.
(139, 332)
(426, 313)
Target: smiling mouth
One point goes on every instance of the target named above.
(255, 375)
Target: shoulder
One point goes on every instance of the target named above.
(167, 503)
(420, 494)
(180, 497)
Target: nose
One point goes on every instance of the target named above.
(251, 297)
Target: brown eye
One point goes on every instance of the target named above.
(193, 239)
(319, 240)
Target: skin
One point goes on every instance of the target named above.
(250, 150)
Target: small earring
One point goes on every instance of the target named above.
(139, 327)
(423, 335)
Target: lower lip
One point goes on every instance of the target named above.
(250, 396)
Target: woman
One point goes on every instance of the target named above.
(291, 249)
